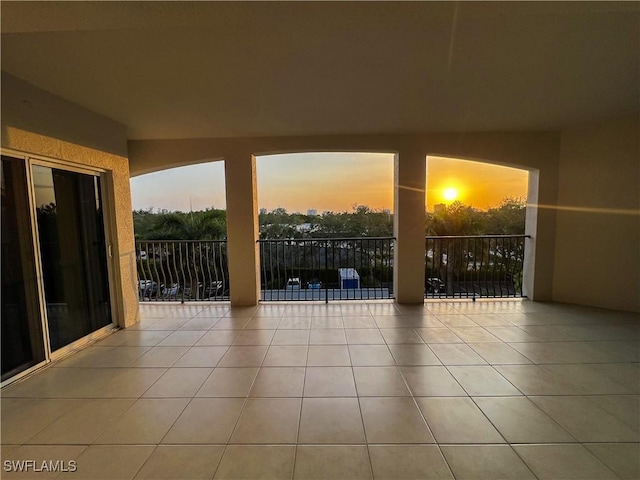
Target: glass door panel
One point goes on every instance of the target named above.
(72, 252)
(21, 327)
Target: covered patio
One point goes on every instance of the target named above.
(487, 389)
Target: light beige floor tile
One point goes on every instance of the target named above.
(587, 380)
(399, 336)
(169, 324)
(489, 320)
(145, 422)
(380, 382)
(244, 356)
(331, 420)
(393, 420)
(488, 462)
(179, 382)
(521, 421)
(231, 323)
(291, 337)
(571, 413)
(243, 462)
(218, 337)
(160, 357)
(358, 322)
(144, 338)
(14, 462)
(205, 421)
(431, 382)
(329, 382)
(182, 338)
(200, 323)
(563, 352)
(622, 458)
(626, 374)
(499, 353)
(254, 337)
(456, 320)
(512, 334)
(201, 357)
(474, 334)
(22, 418)
(131, 383)
(84, 422)
(326, 322)
(552, 462)
(457, 420)
(332, 462)
(438, 335)
(228, 382)
(534, 380)
(482, 381)
(286, 356)
(371, 355)
(194, 462)
(408, 462)
(456, 354)
(327, 336)
(268, 420)
(263, 323)
(105, 357)
(625, 408)
(110, 462)
(295, 323)
(413, 355)
(278, 382)
(364, 336)
(328, 356)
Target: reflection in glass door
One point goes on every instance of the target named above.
(21, 332)
(73, 253)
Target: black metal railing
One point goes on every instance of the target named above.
(474, 266)
(182, 270)
(326, 269)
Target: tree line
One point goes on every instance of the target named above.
(508, 218)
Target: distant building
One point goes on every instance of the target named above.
(263, 211)
(312, 211)
(439, 207)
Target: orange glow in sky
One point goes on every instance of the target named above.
(329, 182)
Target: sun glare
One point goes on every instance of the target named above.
(450, 194)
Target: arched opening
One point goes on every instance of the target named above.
(180, 227)
(326, 225)
(476, 229)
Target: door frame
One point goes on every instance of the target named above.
(104, 176)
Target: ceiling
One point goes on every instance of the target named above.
(236, 69)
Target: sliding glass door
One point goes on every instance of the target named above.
(72, 252)
(55, 279)
(21, 329)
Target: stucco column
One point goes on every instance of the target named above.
(242, 229)
(409, 186)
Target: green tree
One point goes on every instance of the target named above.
(508, 218)
(201, 225)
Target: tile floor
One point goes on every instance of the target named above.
(484, 390)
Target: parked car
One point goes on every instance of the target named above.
(435, 285)
(314, 284)
(147, 288)
(293, 283)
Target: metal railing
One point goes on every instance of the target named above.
(474, 266)
(182, 270)
(326, 269)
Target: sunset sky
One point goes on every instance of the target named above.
(328, 181)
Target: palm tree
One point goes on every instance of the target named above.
(203, 225)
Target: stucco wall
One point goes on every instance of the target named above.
(597, 258)
(35, 122)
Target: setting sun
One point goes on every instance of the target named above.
(450, 194)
